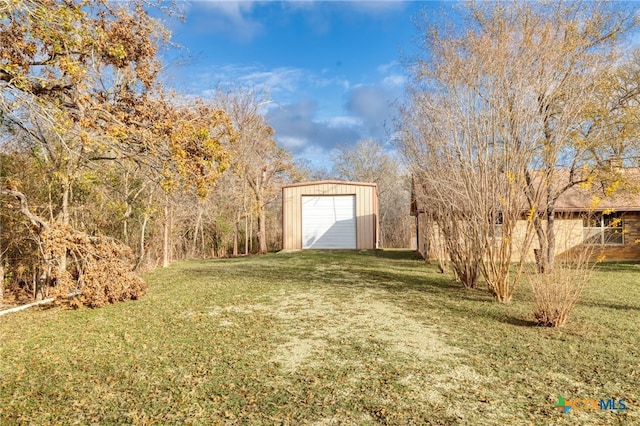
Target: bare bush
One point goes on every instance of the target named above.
(556, 292)
(435, 244)
(463, 248)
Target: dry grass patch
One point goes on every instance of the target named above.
(318, 317)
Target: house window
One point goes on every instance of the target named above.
(495, 219)
(603, 229)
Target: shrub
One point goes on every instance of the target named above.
(556, 292)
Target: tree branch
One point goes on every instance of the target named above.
(24, 208)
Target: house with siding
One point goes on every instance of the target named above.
(608, 222)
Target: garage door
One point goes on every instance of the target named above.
(329, 222)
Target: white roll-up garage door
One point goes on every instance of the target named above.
(329, 222)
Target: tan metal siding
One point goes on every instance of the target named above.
(366, 210)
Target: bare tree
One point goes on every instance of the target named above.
(471, 179)
(512, 102)
(257, 159)
(369, 161)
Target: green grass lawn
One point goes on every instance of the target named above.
(322, 338)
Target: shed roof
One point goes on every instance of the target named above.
(324, 182)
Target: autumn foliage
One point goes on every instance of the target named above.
(112, 170)
(101, 272)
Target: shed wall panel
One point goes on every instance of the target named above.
(366, 210)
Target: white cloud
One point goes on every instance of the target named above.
(282, 80)
(299, 115)
(321, 82)
(236, 17)
(287, 84)
(295, 117)
(298, 121)
(374, 105)
(386, 68)
(231, 17)
(344, 121)
(318, 156)
(395, 80)
(292, 143)
(368, 101)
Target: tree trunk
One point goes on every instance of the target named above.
(251, 233)
(166, 249)
(142, 253)
(203, 242)
(41, 226)
(41, 283)
(262, 224)
(551, 239)
(1, 279)
(236, 231)
(125, 231)
(542, 241)
(28, 305)
(196, 232)
(246, 235)
(125, 223)
(64, 217)
(547, 235)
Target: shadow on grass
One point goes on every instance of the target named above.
(617, 267)
(393, 271)
(517, 321)
(398, 254)
(399, 281)
(396, 272)
(615, 306)
(424, 290)
(492, 311)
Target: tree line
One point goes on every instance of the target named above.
(106, 171)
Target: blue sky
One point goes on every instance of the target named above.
(332, 68)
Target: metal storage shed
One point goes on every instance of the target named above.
(330, 215)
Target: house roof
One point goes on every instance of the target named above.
(618, 191)
(604, 194)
